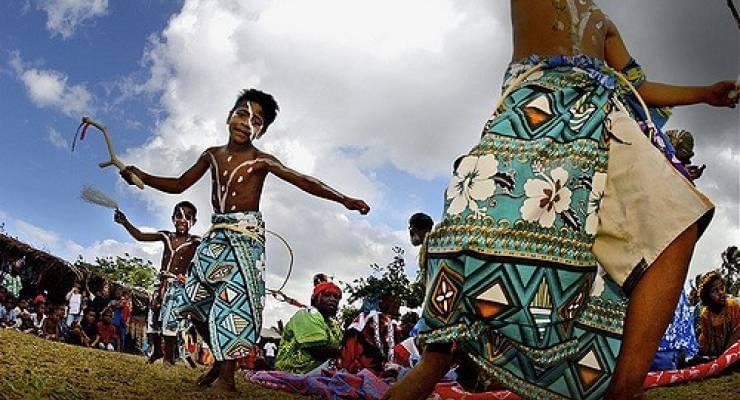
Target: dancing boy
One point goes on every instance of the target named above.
(169, 292)
(225, 286)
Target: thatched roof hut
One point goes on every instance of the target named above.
(44, 271)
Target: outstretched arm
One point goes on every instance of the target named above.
(170, 185)
(120, 218)
(313, 185)
(660, 94)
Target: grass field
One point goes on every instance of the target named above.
(32, 368)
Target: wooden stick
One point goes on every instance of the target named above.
(113, 159)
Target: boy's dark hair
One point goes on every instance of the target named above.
(270, 107)
(421, 221)
(186, 204)
(706, 286)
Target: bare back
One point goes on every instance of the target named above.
(558, 27)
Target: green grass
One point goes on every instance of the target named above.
(33, 368)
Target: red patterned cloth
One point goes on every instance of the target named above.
(695, 373)
(365, 385)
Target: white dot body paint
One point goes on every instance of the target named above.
(240, 179)
(249, 170)
(233, 194)
(226, 172)
(233, 208)
(228, 159)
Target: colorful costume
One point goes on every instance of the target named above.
(225, 286)
(306, 328)
(679, 342)
(369, 342)
(512, 267)
(170, 321)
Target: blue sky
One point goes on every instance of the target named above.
(377, 104)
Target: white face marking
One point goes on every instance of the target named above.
(254, 134)
(181, 216)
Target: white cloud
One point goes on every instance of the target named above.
(109, 247)
(35, 235)
(57, 139)
(408, 84)
(64, 16)
(48, 88)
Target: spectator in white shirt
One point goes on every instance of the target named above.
(74, 303)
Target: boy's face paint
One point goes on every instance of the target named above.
(184, 219)
(246, 123)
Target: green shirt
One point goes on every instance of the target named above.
(307, 328)
(13, 284)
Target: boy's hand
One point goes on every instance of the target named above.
(119, 217)
(722, 94)
(357, 204)
(129, 172)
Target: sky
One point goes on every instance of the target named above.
(377, 99)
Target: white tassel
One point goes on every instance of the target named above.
(94, 196)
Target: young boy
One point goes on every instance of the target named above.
(8, 316)
(89, 326)
(225, 286)
(108, 337)
(169, 293)
(563, 177)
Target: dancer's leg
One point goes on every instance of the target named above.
(650, 310)
(225, 382)
(156, 342)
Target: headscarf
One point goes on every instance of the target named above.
(325, 287)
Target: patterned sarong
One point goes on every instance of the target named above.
(511, 274)
(170, 320)
(225, 285)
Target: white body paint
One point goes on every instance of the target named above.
(174, 251)
(222, 194)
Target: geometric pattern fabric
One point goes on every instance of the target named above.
(509, 269)
(225, 287)
(170, 320)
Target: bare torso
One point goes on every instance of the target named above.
(179, 251)
(558, 27)
(237, 178)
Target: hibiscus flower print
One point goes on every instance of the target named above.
(472, 182)
(546, 197)
(598, 185)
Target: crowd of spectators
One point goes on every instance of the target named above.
(96, 321)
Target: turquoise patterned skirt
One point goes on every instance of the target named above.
(511, 277)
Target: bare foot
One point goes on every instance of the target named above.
(419, 383)
(207, 378)
(153, 359)
(222, 387)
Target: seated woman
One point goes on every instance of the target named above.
(719, 319)
(370, 339)
(312, 335)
